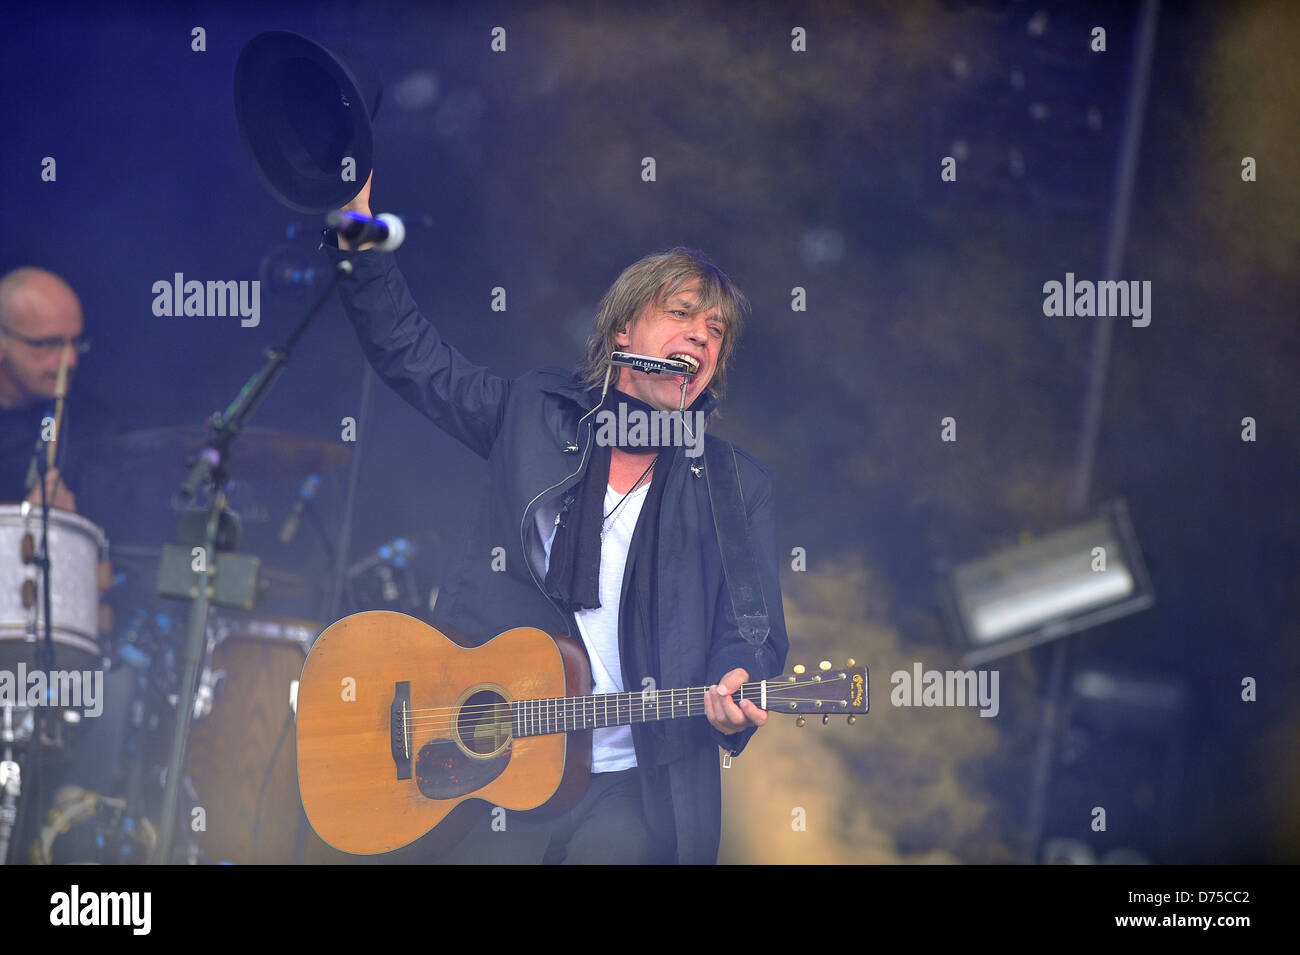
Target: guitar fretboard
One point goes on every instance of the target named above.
(572, 713)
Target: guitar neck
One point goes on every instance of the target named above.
(570, 714)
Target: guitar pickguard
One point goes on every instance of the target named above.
(444, 771)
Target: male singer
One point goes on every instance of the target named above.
(611, 542)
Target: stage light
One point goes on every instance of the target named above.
(1068, 581)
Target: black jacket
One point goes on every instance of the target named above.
(528, 430)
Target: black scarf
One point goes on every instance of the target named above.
(573, 578)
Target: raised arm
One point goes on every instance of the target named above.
(404, 348)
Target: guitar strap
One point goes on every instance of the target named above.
(727, 500)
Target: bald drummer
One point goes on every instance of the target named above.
(41, 329)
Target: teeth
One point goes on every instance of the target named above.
(689, 359)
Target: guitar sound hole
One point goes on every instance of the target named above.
(483, 723)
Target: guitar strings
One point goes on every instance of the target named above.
(436, 725)
(772, 690)
(641, 714)
(444, 719)
(429, 724)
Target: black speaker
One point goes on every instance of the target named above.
(302, 110)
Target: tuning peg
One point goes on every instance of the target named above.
(800, 721)
(825, 664)
(826, 718)
(799, 668)
(852, 662)
(852, 719)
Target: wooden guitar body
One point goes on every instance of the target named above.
(398, 726)
(402, 731)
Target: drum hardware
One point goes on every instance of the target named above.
(234, 576)
(211, 683)
(191, 522)
(117, 837)
(27, 550)
(300, 632)
(142, 561)
(11, 786)
(49, 732)
(17, 727)
(145, 647)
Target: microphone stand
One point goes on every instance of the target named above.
(45, 653)
(210, 468)
(13, 813)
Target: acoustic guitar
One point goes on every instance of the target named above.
(398, 726)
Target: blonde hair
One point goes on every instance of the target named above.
(651, 280)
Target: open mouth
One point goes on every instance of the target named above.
(688, 359)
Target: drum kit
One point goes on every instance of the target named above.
(303, 110)
(240, 782)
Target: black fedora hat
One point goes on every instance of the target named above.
(303, 110)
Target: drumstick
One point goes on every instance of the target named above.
(60, 392)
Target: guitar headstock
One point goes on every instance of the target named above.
(826, 692)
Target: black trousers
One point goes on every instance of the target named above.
(606, 827)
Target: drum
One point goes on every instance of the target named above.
(76, 549)
(242, 756)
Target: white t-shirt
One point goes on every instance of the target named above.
(611, 747)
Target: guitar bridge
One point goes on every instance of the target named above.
(399, 723)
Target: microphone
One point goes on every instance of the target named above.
(397, 552)
(385, 230)
(652, 366)
(305, 494)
